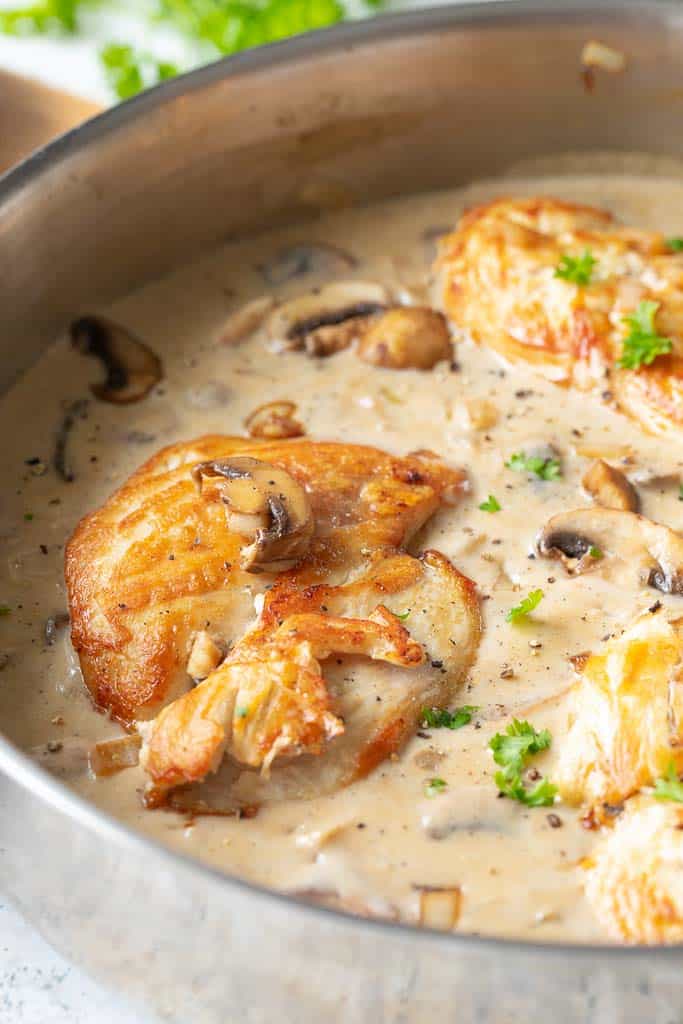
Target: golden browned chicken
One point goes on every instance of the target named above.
(164, 579)
(583, 299)
(634, 879)
(626, 723)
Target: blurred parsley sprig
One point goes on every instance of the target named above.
(222, 26)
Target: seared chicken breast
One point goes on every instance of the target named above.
(634, 879)
(504, 278)
(163, 582)
(626, 714)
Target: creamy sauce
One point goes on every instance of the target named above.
(373, 846)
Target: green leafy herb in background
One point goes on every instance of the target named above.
(219, 27)
(675, 244)
(642, 344)
(490, 505)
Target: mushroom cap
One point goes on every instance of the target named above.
(407, 337)
(292, 324)
(132, 368)
(654, 550)
(609, 487)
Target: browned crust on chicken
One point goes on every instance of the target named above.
(497, 280)
(156, 563)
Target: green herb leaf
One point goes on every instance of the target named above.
(595, 553)
(28, 516)
(680, 492)
(670, 787)
(242, 712)
(675, 244)
(437, 718)
(5, 609)
(435, 786)
(525, 606)
(402, 616)
(130, 71)
(511, 750)
(642, 344)
(576, 269)
(545, 469)
(43, 16)
(490, 505)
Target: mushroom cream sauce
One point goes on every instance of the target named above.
(375, 846)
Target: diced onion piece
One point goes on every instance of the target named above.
(440, 908)
(111, 756)
(597, 55)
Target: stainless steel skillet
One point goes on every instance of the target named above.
(400, 104)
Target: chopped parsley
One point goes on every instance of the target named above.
(511, 751)
(5, 609)
(437, 718)
(402, 616)
(675, 244)
(576, 269)
(670, 787)
(490, 505)
(435, 786)
(680, 492)
(28, 516)
(525, 606)
(642, 344)
(595, 553)
(242, 712)
(545, 468)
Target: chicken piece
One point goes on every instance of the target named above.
(634, 879)
(497, 275)
(626, 722)
(343, 725)
(182, 547)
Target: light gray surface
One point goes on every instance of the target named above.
(203, 948)
(37, 986)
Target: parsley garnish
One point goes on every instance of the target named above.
(437, 718)
(490, 505)
(512, 751)
(595, 553)
(680, 492)
(5, 609)
(544, 468)
(525, 606)
(642, 344)
(670, 787)
(28, 516)
(242, 712)
(435, 786)
(402, 616)
(675, 244)
(577, 269)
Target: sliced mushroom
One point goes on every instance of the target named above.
(112, 756)
(73, 412)
(205, 656)
(440, 907)
(265, 504)
(274, 420)
(245, 320)
(407, 337)
(609, 487)
(306, 258)
(132, 369)
(327, 319)
(654, 551)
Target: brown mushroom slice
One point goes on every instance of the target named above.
(274, 420)
(328, 319)
(306, 258)
(132, 368)
(654, 551)
(245, 320)
(407, 337)
(111, 756)
(609, 487)
(265, 504)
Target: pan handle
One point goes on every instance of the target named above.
(32, 113)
